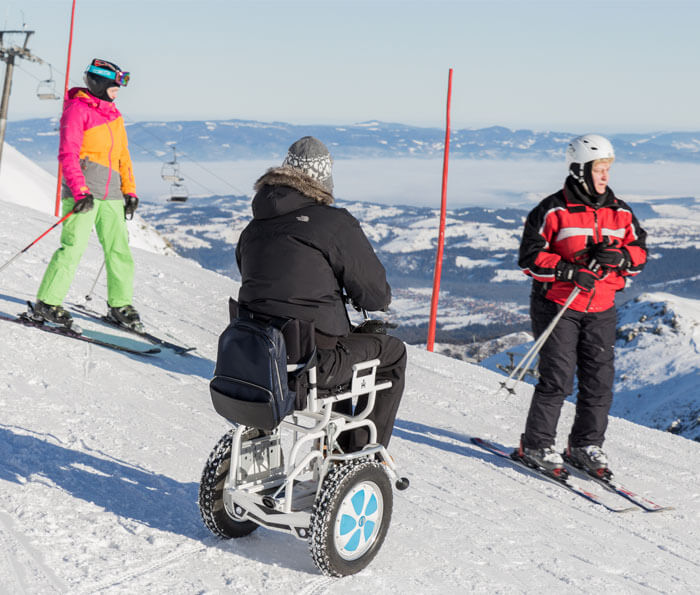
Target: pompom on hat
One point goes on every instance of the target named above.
(310, 156)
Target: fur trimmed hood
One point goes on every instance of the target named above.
(293, 178)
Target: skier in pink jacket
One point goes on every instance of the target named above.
(98, 186)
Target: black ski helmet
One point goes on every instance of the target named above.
(100, 75)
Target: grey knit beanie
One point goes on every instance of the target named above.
(310, 156)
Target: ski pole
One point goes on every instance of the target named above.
(88, 297)
(3, 267)
(539, 343)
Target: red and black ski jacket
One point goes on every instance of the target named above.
(565, 226)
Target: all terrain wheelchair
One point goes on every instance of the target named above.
(290, 474)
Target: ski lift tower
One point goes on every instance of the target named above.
(8, 54)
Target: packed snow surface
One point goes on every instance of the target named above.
(101, 455)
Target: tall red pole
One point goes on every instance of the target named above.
(59, 175)
(441, 235)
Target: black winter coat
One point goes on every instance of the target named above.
(297, 256)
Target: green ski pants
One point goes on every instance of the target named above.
(107, 216)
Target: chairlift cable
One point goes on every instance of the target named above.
(195, 162)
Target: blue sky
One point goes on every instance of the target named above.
(574, 66)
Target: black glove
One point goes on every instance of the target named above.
(131, 201)
(84, 203)
(610, 255)
(378, 327)
(582, 277)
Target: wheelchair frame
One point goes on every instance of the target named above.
(261, 487)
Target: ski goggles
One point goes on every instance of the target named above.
(119, 77)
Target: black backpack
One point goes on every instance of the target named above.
(250, 384)
(250, 380)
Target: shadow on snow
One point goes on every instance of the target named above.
(127, 491)
(153, 499)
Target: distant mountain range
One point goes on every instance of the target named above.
(220, 140)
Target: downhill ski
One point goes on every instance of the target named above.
(83, 309)
(25, 320)
(612, 485)
(565, 481)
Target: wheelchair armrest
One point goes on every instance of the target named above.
(372, 363)
(362, 383)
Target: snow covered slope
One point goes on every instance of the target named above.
(25, 183)
(101, 454)
(658, 372)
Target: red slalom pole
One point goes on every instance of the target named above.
(3, 267)
(59, 175)
(441, 235)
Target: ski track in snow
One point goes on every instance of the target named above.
(28, 571)
(142, 571)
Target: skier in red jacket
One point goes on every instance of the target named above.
(582, 236)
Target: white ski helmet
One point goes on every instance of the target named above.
(588, 147)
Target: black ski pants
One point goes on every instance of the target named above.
(583, 340)
(335, 369)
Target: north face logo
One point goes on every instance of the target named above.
(303, 218)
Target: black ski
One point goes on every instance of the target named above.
(612, 485)
(179, 349)
(564, 481)
(25, 320)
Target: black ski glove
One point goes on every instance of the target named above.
(84, 203)
(582, 277)
(378, 327)
(131, 201)
(610, 255)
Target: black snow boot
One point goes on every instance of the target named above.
(546, 459)
(591, 459)
(42, 311)
(126, 316)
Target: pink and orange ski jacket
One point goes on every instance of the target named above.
(93, 149)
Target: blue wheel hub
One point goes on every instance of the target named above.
(358, 522)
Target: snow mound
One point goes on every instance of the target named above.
(658, 365)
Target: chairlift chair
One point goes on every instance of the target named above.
(170, 171)
(46, 89)
(178, 192)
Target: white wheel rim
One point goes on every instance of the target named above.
(358, 521)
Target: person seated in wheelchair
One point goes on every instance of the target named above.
(298, 257)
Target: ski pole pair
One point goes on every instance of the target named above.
(3, 267)
(529, 357)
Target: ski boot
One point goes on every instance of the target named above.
(590, 459)
(126, 316)
(58, 315)
(546, 459)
